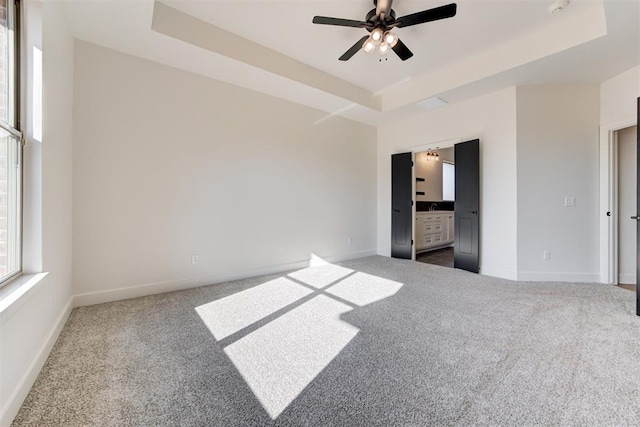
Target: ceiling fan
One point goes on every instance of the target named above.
(380, 21)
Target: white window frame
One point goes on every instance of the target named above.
(14, 130)
(453, 187)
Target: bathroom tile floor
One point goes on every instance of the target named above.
(628, 287)
(442, 257)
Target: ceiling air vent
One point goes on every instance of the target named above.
(431, 103)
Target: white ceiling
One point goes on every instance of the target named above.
(272, 47)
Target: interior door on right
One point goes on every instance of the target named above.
(466, 249)
(638, 213)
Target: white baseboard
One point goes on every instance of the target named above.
(544, 276)
(196, 282)
(12, 407)
(501, 274)
(627, 279)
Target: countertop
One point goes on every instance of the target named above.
(434, 212)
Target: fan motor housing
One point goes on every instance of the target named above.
(375, 23)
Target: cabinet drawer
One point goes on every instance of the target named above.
(432, 239)
(432, 228)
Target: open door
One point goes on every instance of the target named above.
(466, 249)
(637, 214)
(401, 205)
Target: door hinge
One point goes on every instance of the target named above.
(412, 242)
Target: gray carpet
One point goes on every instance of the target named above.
(375, 342)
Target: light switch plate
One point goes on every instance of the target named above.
(569, 201)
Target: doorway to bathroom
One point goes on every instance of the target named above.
(435, 206)
(426, 225)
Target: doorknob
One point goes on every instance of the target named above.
(635, 217)
(396, 211)
(474, 212)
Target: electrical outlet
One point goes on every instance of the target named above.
(569, 201)
(546, 255)
(195, 259)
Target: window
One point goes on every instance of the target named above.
(10, 143)
(448, 181)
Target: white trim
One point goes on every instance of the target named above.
(12, 292)
(615, 206)
(539, 276)
(436, 145)
(608, 235)
(627, 279)
(196, 282)
(10, 410)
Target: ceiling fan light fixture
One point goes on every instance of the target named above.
(383, 48)
(376, 35)
(390, 38)
(369, 45)
(379, 21)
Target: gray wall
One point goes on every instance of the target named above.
(492, 119)
(168, 164)
(557, 156)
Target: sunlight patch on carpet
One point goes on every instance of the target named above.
(321, 275)
(281, 358)
(231, 314)
(362, 288)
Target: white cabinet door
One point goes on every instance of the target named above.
(433, 230)
(419, 230)
(449, 225)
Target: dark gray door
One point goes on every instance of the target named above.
(401, 203)
(638, 213)
(466, 248)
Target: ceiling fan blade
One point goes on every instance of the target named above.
(402, 50)
(325, 20)
(354, 49)
(442, 12)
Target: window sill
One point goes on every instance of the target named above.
(17, 288)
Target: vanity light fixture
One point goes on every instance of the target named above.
(433, 155)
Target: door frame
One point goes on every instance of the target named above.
(609, 199)
(436, 145)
